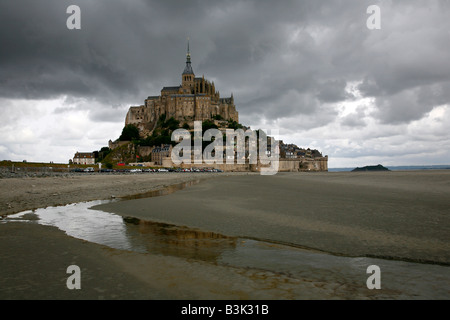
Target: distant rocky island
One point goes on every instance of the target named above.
(371, 168)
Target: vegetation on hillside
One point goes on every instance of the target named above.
(129, 133)
(125, 153)
(162, 134)
(101, 154)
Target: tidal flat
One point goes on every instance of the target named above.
(290, 236)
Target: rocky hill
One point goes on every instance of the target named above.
(371, 168)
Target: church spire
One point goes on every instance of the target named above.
(188, 68)
(188, 55)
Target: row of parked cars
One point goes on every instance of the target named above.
(90, 169)
(174, 170)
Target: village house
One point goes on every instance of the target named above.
(159, 153)
(84, 158)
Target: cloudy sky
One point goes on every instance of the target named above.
(312, 69)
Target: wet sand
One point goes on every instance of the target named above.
(34, 260)
(402, 215)
(27, 193)
(394, 215)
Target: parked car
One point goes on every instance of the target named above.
(90, 169)
(163, 170)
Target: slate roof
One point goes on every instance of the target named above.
(188, 68)
(171, 88)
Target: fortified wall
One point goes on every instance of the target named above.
(284, 165)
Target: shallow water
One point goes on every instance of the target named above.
(345, 274)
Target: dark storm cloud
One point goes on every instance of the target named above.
(280, 59)
(42, 59)
(116, 49)
(333, 91)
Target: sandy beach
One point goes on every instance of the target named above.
(401, 216)
(26, 193)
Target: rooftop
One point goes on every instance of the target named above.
(171, 88)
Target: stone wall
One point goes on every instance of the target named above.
(303, 164)
(144, 151)
(284, 165)
(116, 144)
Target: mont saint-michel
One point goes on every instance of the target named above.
(146, 137)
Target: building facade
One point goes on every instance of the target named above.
(159, 153)
(84, 158)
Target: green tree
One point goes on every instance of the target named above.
(234, 125)
(171, 124)
(130, 132)
(161, 120)
(208, 124)
(109, 165)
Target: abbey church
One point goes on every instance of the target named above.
(196, 99)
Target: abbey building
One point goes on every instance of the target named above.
(196, 99)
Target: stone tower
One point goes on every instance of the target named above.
(187, 80)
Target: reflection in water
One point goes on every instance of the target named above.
(129, 233)
(161, 192)
(177, 241)
(78, 221)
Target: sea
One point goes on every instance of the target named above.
(400, 168)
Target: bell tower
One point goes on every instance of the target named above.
(187, 78)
